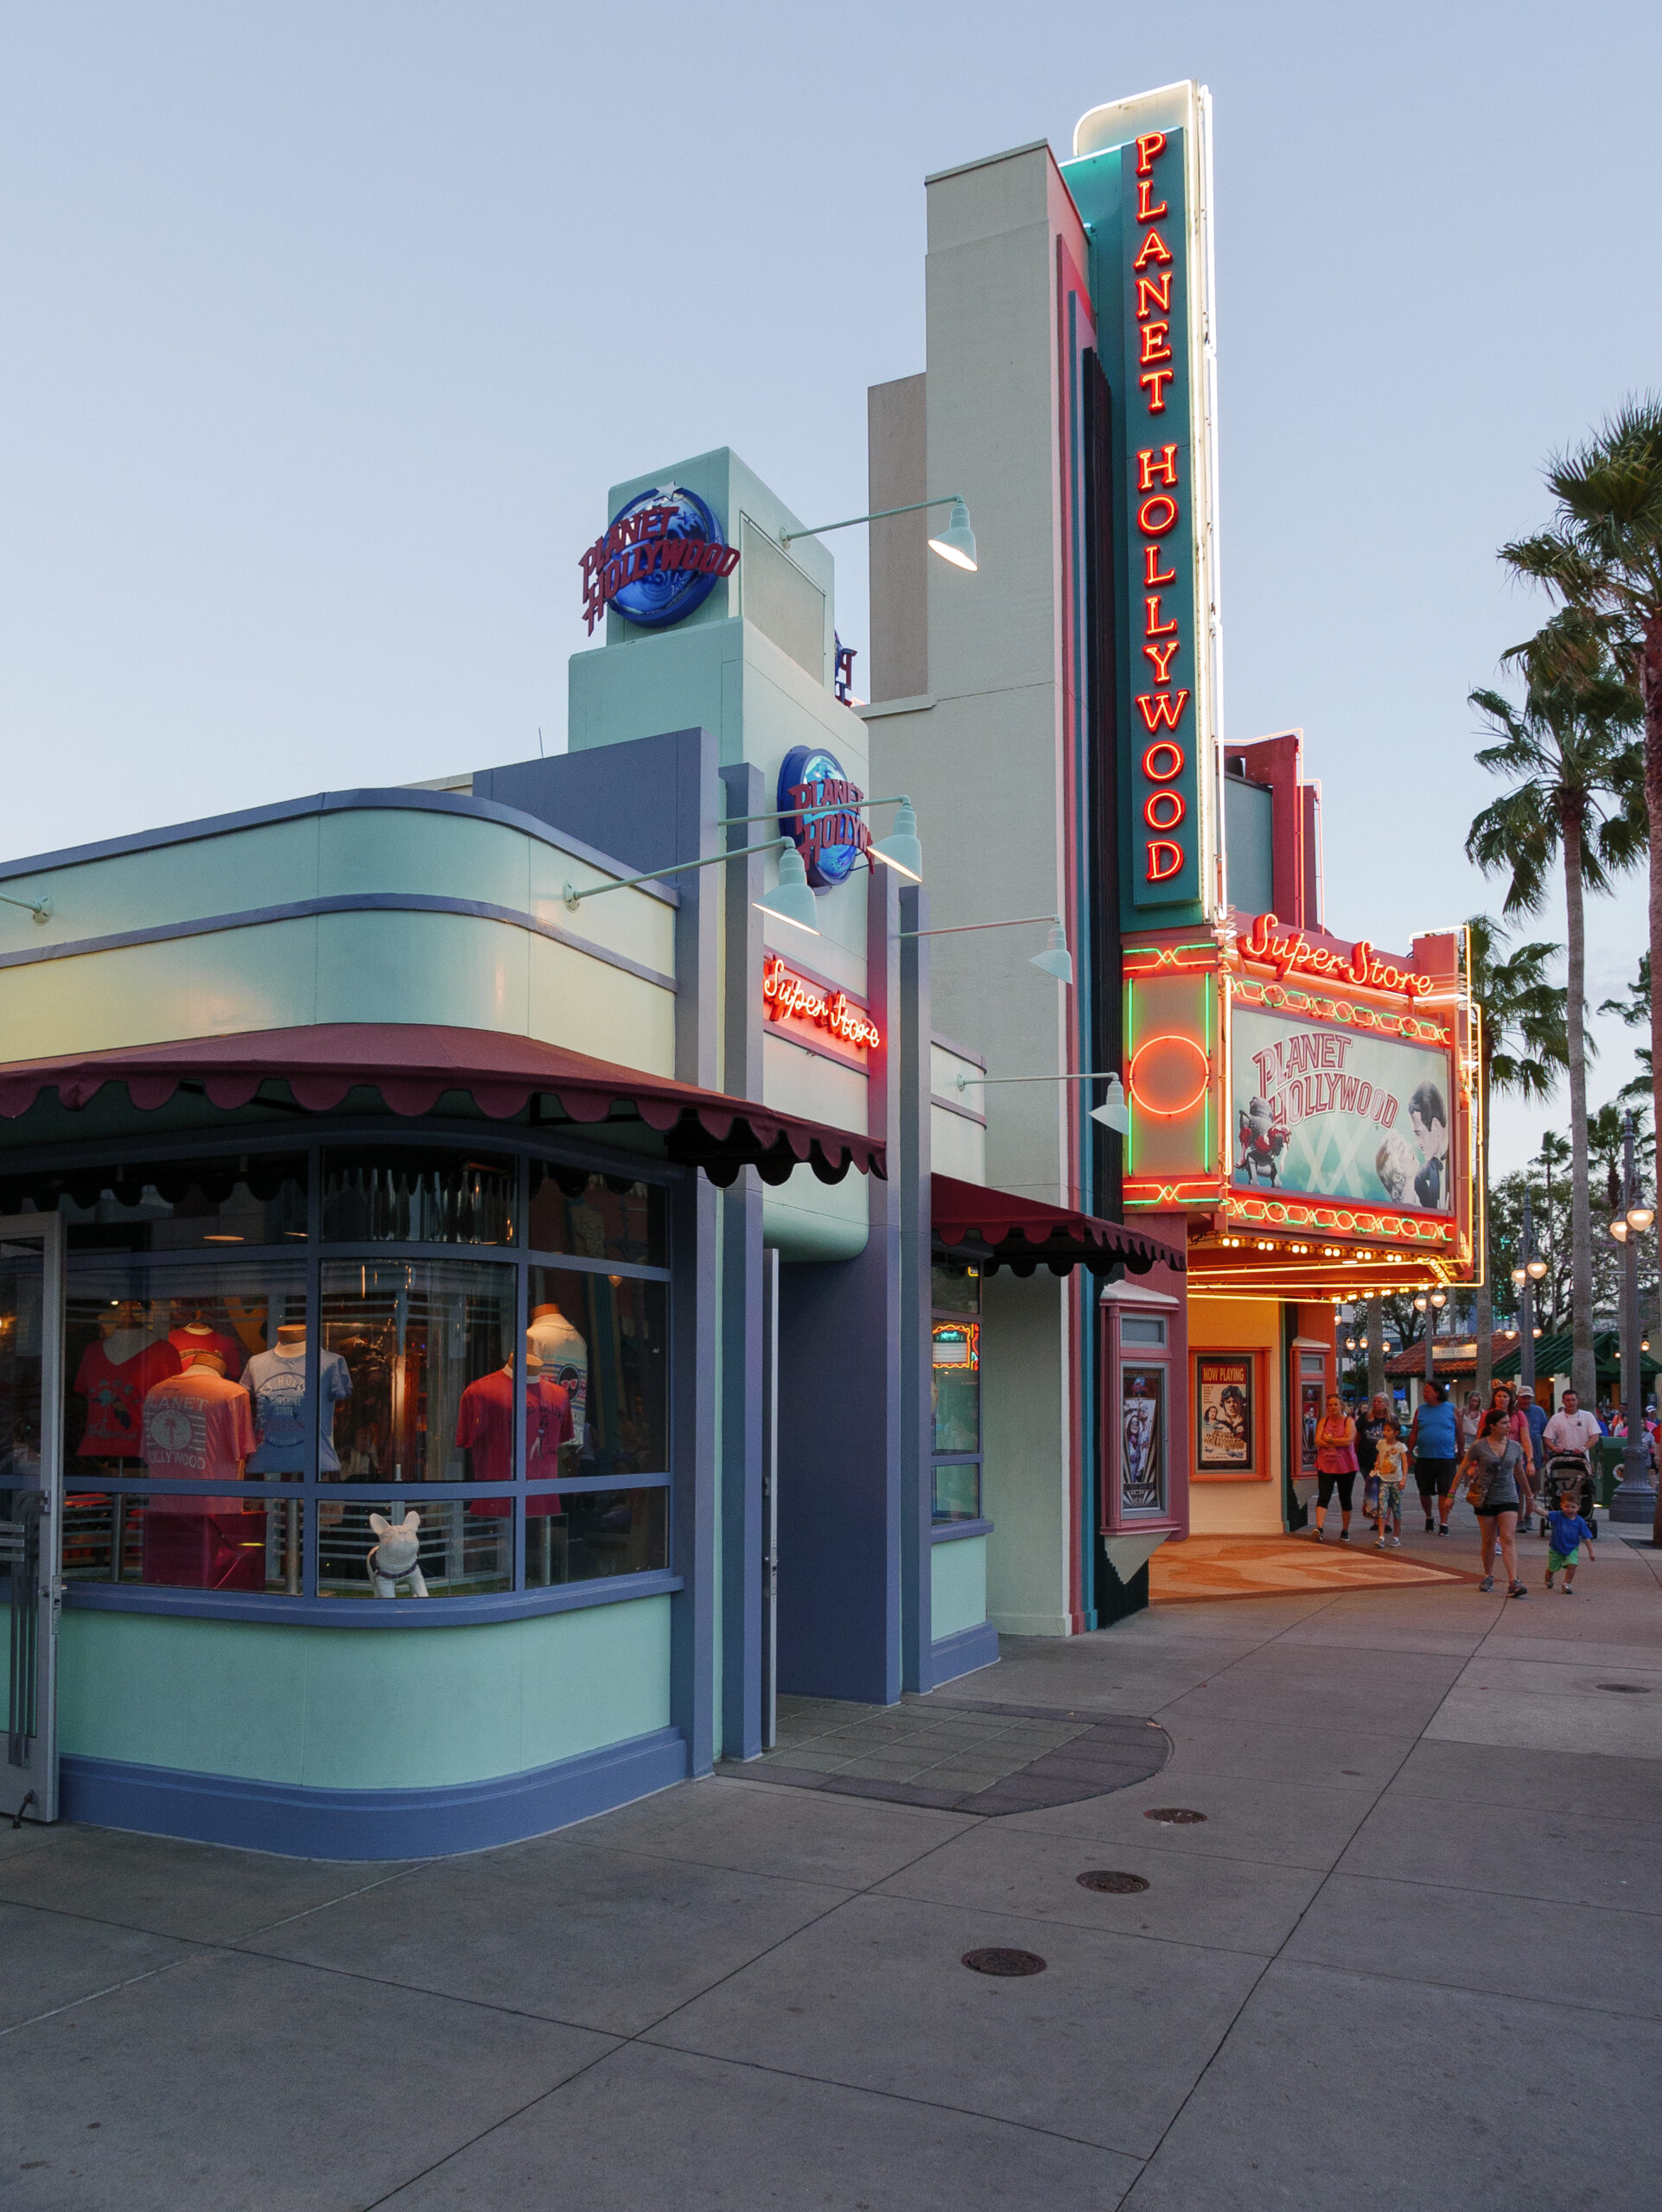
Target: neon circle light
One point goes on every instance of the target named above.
(1167, 1074)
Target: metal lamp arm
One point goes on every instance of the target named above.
(883, 514)
(573, 898)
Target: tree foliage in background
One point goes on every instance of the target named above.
(1577, 800)
(1635, 1011)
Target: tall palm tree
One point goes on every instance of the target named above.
(1523, 1046)
(1574, 767)
(1604, 552)
(1635, 1011)
(1556, 1151)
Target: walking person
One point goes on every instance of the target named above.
(1493, 1466)
(1391, 1477)
(1573, 1432)
(1336, 1465)
(1434, 1446)
(1370, 1427)
(1504, 1399)
(1566, 1532)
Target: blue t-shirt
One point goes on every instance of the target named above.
(1569, 1530)
(1436, 1438)
(1535, 1414)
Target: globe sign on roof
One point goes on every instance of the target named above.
(658, 559)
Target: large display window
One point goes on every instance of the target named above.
(955, 1386)
(255, 1408)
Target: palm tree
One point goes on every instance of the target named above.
(1604, 553)
(1635, 1011)
(1576, 783)
(1522, 1046)
(1555, 1152)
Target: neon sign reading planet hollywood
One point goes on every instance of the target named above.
(787, 997)
(1357, 963)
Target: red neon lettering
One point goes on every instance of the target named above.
(1148, 146)
(1152, 572)
(1154, 249)
(1165, 750)
(1162, 710)
(1164, 858)
(1155, 345)
(1154, 382)
(1152, 626)
(1153, 292)
(1156, 515)
(1149, 471)
(1145, 211)
(1164, 810)
(787, 997)
(1163, 657)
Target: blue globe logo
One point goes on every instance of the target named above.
(813, 792)
(669, 553)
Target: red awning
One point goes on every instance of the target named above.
(1020, 1234)
(413, 1067)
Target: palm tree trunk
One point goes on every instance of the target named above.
(1650, 690)
(1484, 1293)
(1583, 1374)
(1376, 1348)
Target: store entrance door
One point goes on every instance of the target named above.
(31, 1506)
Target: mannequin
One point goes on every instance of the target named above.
(194, 1337)
(564, 1353)
(115, 1376)
(276, 1381)
(199, 1425)
(485, 1430)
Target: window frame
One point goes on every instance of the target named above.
(956, 1317)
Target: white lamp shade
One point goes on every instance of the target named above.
(901, 849)
(1056, 960)
(1640, 1217)
(956, 543)
(790, 901)
(1114, 1113)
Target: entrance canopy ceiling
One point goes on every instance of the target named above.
(1023, 1234)
(414, 1066)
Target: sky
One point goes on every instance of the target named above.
(330, 325)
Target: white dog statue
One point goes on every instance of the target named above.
(394, 1557)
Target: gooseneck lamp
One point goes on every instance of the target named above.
(955, 544)
(1055, 960)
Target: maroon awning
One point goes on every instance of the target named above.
(1023, 1234)
(413, 1066)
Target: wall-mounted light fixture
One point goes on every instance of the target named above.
(40, 908)
(790, 900)
(900, 850)
(1055, 960)
(956, 544)
(1113, 1113)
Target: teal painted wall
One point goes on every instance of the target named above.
(403, 1708)
(958, 1585)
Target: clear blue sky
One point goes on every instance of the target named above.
(328, 326)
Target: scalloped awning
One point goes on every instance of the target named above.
(414, 1066)
(1024, 1234)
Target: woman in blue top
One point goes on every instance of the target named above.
(1434, 1446)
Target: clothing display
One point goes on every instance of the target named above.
(276, 1381)
(198, 1424)
(115, 1389)
(196, 1338)
(564, 1356)
(484, 1426)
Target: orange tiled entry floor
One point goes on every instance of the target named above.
(1263, 1567)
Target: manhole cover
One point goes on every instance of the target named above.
(1174, 1816)
(1003, 1962)
(1117, 1886)
(1629, 1689)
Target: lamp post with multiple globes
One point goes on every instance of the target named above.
(1636, 1498)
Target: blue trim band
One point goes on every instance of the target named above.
(345, 902)
(296, 809)
(367, 1612)
(305, 1823)
(948, 1532)
(965, 1653)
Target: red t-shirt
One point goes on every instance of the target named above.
(198, 1424)
(485, 1428)
(115, 1394)
(187, 1341)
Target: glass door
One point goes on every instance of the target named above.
(31, 1506)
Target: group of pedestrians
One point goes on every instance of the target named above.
(1502, 1449)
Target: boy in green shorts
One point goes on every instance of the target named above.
(1566, 1533)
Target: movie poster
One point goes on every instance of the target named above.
(1224, 1413)
(1143, 1438)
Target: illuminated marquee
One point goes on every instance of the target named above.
(1356, 963)
(791, 1000)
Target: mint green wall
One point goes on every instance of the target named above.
(958, 1585)
(361, 1708)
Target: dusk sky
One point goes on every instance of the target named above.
(329, 328)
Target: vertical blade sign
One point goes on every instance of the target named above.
(1165, 858)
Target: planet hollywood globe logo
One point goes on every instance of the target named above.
(819, 812)
(659, 559)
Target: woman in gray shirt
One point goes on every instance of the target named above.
(1494, 1468)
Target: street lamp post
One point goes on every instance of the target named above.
(1636, 1498)
(1524, 1276)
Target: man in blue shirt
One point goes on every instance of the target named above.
(1434, 1446)
(1535, 1414)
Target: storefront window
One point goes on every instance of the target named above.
(185, 1541)
(955, 1381)
(397, 1194)
(604, 1339)
(397, 1547)
(597, 1217)
(416, 1372)
(595, 1533)
(173, 1205)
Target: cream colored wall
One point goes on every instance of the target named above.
(1252, 1508)
(804, 1218)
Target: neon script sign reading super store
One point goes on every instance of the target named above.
(1163, 783)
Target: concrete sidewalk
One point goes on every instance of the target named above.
(1409, 1958)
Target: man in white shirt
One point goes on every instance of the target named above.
(1572, 1430)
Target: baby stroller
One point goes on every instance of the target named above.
(1567, 1471)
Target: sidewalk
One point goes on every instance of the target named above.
(1428, 1872)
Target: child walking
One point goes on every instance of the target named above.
(1566, 1532)
(1390, 1468)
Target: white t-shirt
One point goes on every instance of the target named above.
(1576, 1431)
